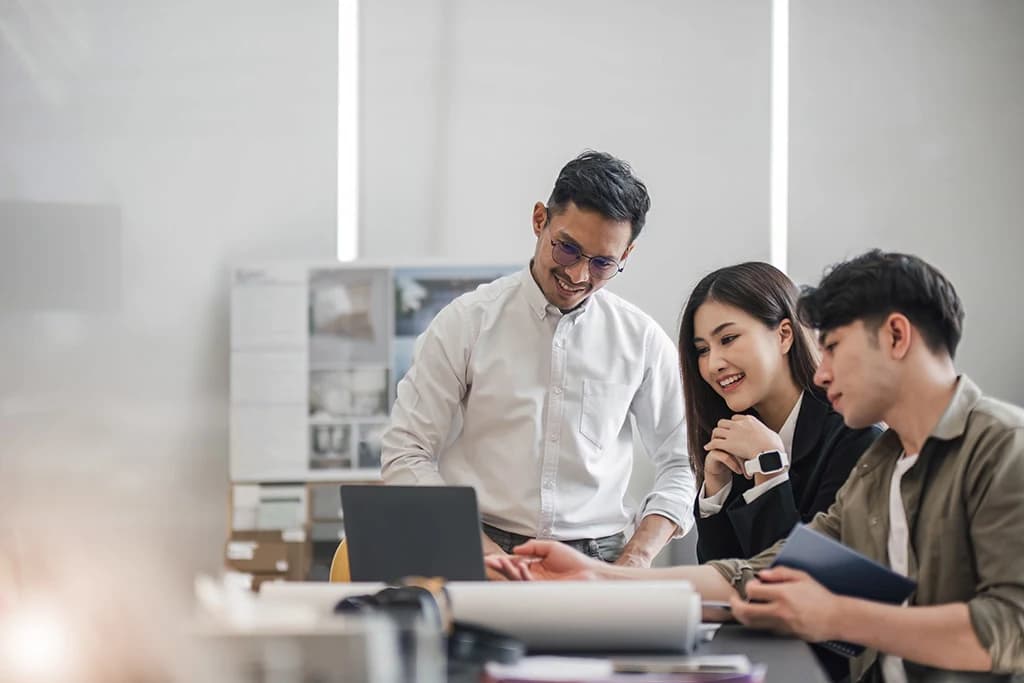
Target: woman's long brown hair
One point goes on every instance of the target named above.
(764, 292)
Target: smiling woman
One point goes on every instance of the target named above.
(766, 447)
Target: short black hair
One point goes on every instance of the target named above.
(595, 181)
(876, 284)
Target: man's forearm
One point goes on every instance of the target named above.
(940, 635)
(706, 580)
(653, 532)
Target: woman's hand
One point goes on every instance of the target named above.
(743, 437)
(718, 469)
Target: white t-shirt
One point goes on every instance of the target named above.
(899, 549)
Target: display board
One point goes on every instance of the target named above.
(316, 354)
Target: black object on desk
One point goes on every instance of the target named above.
(398, 531)
(426, 600)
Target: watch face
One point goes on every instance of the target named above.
(770, 461)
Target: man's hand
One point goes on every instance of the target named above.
(492, 549)
(544, 561)
(789, 601)
(743, 437)
(490, 572)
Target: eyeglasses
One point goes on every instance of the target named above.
(601, 267)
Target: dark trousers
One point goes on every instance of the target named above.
(607, 549)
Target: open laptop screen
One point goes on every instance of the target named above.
(398, 531)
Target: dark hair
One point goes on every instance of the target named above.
(599, 182)
(876, 284)
(764, 292)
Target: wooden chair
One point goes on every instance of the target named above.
(339, 565)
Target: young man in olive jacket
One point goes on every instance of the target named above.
(937, 497)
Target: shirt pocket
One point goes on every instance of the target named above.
(605, 405)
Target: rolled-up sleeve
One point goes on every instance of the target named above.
(739, 571)
(658, 410)
(426, 403)
(997, 535)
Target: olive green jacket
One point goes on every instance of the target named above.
(965, 508)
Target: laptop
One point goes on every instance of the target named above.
(398, 531)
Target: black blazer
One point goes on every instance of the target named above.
(824, 452)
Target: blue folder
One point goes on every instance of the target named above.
(842, 571)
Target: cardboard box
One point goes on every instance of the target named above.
(286, 554)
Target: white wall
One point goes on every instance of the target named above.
(907, 132)
(167, 141)
(470, 108)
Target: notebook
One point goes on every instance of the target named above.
(843, 571)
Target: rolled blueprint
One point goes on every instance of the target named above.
(558, 615)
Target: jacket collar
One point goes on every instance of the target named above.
(951, 425)
(953, 422)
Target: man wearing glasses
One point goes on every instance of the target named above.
(525, 388)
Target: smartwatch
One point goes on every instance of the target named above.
(766, 462)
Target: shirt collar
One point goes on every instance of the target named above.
(539, 303)
(789, 426)
(953, 422)
(535, 298)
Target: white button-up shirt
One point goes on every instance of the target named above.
(533, 408)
